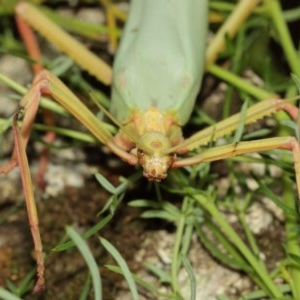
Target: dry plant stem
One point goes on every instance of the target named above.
(111, 24)
(240, 83)
(93, 64)
(20, 147)
(99, 68)
(120, 15)
(242, 11)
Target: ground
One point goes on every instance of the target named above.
(72, 196)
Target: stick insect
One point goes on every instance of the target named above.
(156, 77)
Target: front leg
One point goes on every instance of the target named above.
(229, 125)
(21, 159)
(45, 83)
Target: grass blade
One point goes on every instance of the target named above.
(69, 244)
(123, 266)
(191, 275)
(5, 295)
(88, 257)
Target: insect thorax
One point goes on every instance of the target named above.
(149, 136)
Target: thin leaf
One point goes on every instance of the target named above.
(257, 295)
(241, 124)
(223, 297)
(85, 290)
(295, 257)
(26, 284)
(258, 134)
(297, 81)
(6, 295)
(109, 187)
(191, 274)
(159, 214)
(88, 257)
(159, 273)
(105, 183)
(122, 263)
(150, 287)
(267, 192)
(144, 203)
(66, 245)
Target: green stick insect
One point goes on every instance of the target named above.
(157, 74)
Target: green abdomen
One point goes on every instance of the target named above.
(160, 60)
